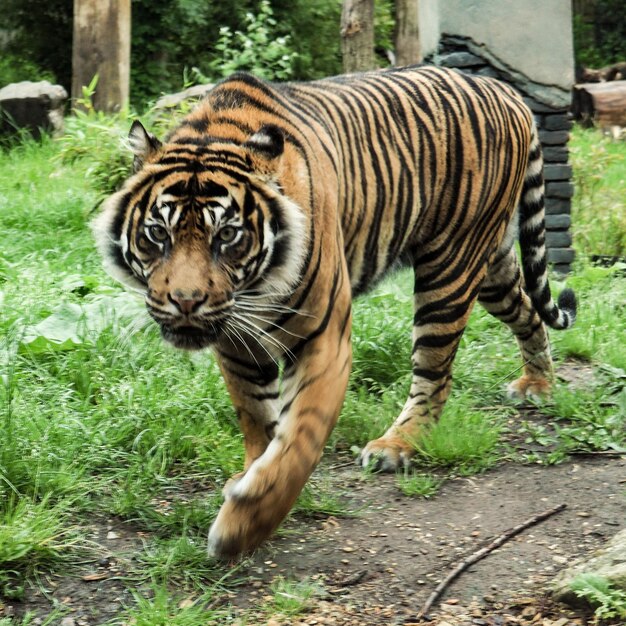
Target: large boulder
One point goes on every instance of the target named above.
(32, 106)
(174, 100)
(609, 563)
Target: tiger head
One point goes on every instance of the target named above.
(201, 222)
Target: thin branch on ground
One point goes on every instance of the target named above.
(482, 553)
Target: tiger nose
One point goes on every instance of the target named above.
(187, 301)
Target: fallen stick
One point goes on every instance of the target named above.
(481, 554)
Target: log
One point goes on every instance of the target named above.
(603, 104)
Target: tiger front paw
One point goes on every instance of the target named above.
(386, 454)
(230, 533)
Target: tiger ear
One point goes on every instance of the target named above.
(267, 146)
(143, 144)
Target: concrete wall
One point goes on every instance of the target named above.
(429, 26)
(532, 36)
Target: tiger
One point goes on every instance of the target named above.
(254, 224)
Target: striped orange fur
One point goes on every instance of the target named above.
(254, 224)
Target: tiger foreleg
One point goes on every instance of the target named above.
(255, 397)
(259, 500)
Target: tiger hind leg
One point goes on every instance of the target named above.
(503, 295)
(438, 327)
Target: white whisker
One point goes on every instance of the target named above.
(235, 330)
(265, 320)
(242, 319)
(239, 325)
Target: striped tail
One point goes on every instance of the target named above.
(532, 238)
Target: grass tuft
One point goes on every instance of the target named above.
(291, 598)
(415, 484)
(467, 443)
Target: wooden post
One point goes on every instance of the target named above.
(357, 35)
(407, 35)
(102, 46)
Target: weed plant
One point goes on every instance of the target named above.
(99, 418)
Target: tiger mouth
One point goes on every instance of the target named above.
(190, 337)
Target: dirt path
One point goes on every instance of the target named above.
(379, 567)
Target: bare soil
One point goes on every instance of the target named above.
(383, 564)
(379, 566)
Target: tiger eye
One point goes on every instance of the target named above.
(158, 233)
(227, 234)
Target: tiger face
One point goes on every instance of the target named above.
(205, 225)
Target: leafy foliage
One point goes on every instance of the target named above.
(169, 37)
(258, 50)
(607, 600)
(600, 34)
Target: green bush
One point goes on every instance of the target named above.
(259, 49)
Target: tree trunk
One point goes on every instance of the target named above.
(601, 103)
(102, 46)
(407, 40)
(357, 35)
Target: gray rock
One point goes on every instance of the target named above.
(557, 122)
(558, 222)
(609, 562)
(539, 107)
(173, 100)
(32, 106)
(553, 137)
(558, 239)
(558, 206)
(460, 59)
(488, 71)
(562, 268)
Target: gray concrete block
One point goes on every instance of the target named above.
(553, 137)
(557, 171)
(560, 255)
(558, 222)
(559, 190)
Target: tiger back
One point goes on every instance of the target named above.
(256, 222)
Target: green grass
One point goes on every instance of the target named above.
(600, 199)
(415, 484)
(99, 418)
(290, 598)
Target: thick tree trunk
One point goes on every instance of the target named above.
(407, 40)
(102, 46)
(357, 35)
(601, 103)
